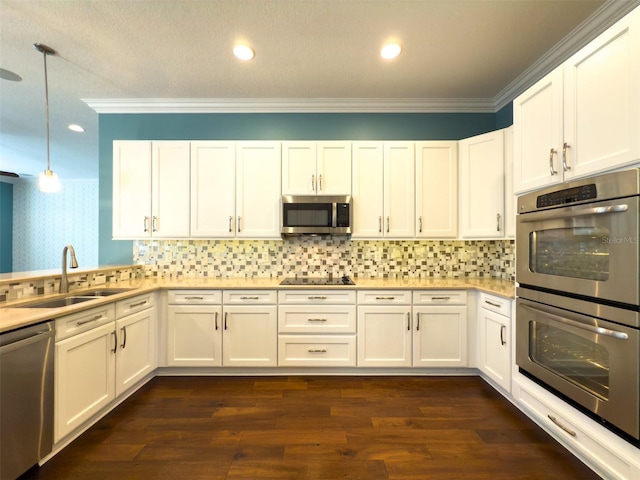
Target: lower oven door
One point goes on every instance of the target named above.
(592, 361)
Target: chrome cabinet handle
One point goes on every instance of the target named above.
(93, 319)
(565, 166)
(503, 330)
(387, 224)
(555, 420)
(552, 152)
(318, 298)
(115, 341)
(194, 298)
(225, 320)
(385, 298)
(249, 298)
(313, 183)
(433, 299)
(380, 224)
(408, 321)
(420, 224)
(124, 339)
(497, 222)
(417, 321)
(316, 319)
(216, 320)
(317, 350)
(139, 304)
(154, 227)
(145, 224)
(230, 222)
(320, 182)
(493, 304)
(238, 224)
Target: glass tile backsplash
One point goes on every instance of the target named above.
(322, 256)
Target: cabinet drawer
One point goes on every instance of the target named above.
(440, 297)
(249, 297)
(496, 304)
(317, 350)
(317, 319)
(384, 297)
(82, 321)
(134, 304)
(195, 297)
(341, 297)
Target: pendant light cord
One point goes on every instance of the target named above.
(46, 107)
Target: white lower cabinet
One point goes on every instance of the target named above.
(440, 328)
(99, 356)
(317, 328)
(494, 325)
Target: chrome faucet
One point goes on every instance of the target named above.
(64, 281)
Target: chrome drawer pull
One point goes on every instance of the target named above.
(249, 298)
(433, 299)
(317, 350)
(555, 420)
(84, 322)
(318, 298)
(316, 319)
(194, 298)
(385, 298)
(493, 304)
(139, 304)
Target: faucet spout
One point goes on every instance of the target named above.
(64, 281)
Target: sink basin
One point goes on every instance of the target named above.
(59, 302)
(105, 293)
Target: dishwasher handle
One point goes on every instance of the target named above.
(25, 336)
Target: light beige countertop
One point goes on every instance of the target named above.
(13, 315)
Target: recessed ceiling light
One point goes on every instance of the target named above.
(243, 52)
(75, 127)
(390, 50)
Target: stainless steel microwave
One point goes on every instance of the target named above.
(316, 215)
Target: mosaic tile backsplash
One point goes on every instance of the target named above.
(322, 256)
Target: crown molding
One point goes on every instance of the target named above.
(289, 105)
(605, 16)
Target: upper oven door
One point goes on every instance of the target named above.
(590, 250)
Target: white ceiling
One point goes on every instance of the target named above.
(459, 55)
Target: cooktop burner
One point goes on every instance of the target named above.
(344, 280)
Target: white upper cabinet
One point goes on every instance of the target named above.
(150, 189)
(213, 189)
(316, 168)
(481, 186)
(258, 190)
(436, 189)
(584, 117)
(383, 189)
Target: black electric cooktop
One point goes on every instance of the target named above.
(344, 280)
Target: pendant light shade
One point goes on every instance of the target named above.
(48, 181)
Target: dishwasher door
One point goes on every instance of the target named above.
(26, 397)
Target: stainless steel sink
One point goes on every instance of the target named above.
(59, 302)
(105, 293)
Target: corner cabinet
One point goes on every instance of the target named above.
(150, 189)
(384, 189)
(584, 116)
(482, 186)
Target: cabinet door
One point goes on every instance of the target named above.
(436, 189)
(250, 336)
(258, 190)
(602, 101)
(131, 189)
(537, 122)
(84, 377)
(333, 168)
(440, 336)
(399, 189)
(170, 189)
(495, 347)
(194, 335)
(136, 353)
(482, 186)
(299, 168)
(368, 189)
(213, 189)
(510, 200)
(384, 336)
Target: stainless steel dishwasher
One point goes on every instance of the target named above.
(26, 397)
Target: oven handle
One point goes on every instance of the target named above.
(548, 215)
(577, 324)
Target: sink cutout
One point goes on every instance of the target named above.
(59, 302)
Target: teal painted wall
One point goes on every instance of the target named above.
(6, 227)
(265, 126)
(504, 116)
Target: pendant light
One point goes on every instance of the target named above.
(48, 181)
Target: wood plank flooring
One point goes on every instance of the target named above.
(310, 427)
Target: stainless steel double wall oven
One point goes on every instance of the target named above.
(577, 311)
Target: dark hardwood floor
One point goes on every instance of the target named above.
(314, 428)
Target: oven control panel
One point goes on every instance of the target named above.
(569, 195)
